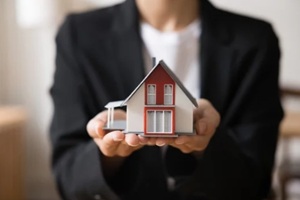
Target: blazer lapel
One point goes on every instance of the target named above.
(216, 57)
(127, 45)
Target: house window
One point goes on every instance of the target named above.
(151, 94)
(159, 121)
(168, 94)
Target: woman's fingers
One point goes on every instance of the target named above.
(110, 143)
(132, 139)
(117, 143)
(95, 125)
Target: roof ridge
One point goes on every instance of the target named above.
(173, 76)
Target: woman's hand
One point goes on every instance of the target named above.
(116, 143)
(113, 143)
(206, 120)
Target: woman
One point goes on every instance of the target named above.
(229, 62)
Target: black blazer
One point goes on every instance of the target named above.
(99, 59)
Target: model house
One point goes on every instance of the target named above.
(160, 106)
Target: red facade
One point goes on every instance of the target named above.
(159, 112)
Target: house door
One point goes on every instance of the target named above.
(159, 122)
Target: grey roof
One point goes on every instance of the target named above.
(114, 104)
(173, 76)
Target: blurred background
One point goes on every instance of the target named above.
(27, 54)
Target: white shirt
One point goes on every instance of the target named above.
(179, 50)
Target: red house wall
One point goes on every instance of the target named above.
(159, 77)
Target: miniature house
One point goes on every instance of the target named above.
(160, 106)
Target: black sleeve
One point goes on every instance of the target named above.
(76, 158)
(239, 160)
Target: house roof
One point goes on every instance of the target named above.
(172, 75)
(114, 104)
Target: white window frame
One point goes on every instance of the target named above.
(151, 94)
(154, 127)
(168, 94)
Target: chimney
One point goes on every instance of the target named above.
(153, 61)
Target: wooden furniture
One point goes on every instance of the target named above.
(289, 130)
(12, 121)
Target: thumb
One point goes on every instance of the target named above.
(95, 125)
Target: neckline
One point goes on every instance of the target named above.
(172, 37)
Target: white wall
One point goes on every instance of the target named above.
(1, 52)
(27, 64)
